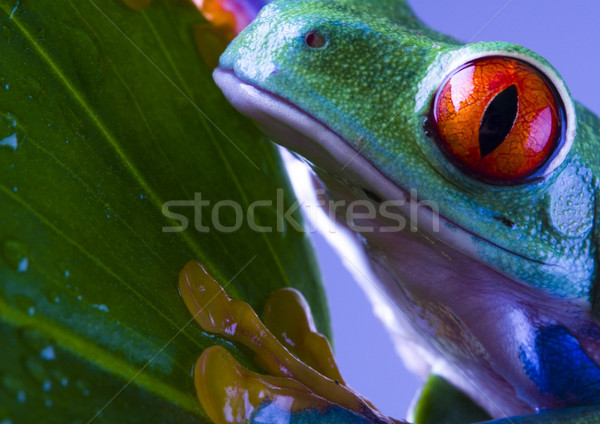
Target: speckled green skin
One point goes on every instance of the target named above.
(374, 83)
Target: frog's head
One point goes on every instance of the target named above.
(487, 131)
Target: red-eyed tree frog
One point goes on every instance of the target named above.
(475, 173)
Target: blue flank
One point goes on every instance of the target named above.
(562, 368)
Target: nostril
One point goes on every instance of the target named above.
(315, 39)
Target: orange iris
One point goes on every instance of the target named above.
(498, 118)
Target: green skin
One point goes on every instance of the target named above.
(373, 85)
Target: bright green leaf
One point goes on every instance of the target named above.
(105, 115)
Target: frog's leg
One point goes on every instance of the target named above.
(226, 19)
(230, 393)
(442, 403)
(293, 388)
(231, 15)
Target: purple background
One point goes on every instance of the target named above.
(568, 36)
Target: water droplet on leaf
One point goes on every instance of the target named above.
(10, 141)
(11, 134)
(48, 354)
(101, 307)
(14, 10)
(16, 255)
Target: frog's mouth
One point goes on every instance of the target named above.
(298, 131)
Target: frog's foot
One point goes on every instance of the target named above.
(230, 16)
(303, 382)
(226, 19)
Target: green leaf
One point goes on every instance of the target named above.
(441, 403)
(105, 115)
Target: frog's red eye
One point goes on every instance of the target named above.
(498, 118)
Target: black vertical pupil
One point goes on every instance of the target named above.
(498, 120)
